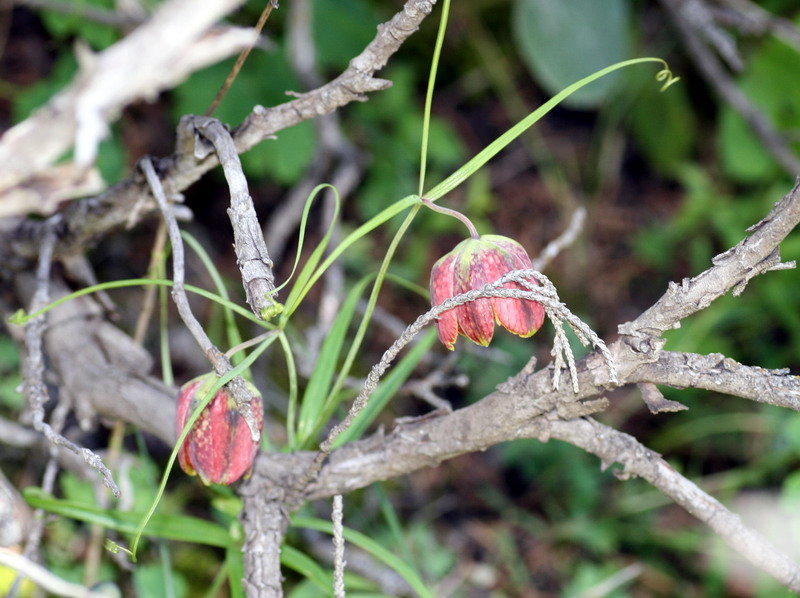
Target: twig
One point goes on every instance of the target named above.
(87, 220)
(718, 373)
(252, 255)
(755, 254)
(35, 387)
(751, 19)
(339, 561)
(149, 299)
(241, 58)
(45, 579)
(174, 42)
(564, 240)
(612, 446)
(219, 361)
(722, 83)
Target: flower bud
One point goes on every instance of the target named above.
(219, 447)
(471, 265)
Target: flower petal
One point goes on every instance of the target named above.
(442, 289)
(473, 270)
(523, 317)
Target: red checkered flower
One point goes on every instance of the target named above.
(219, 447)
(474, 263)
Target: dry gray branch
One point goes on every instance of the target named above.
(222, 365)
(163, 51)
(87, 220)
(692, 32)
(612, 446)
(715, 372)
(252, 255)
(35, 387)
(755, 254)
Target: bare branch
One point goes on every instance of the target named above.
(87, 220)
(756, 254)
(722, 374)
(709, 65)
(222, 365)
(251, 250)
(564, 240)
(612, 446)
(163, 51)
(35, 387)
(44, 578)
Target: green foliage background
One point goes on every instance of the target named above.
(669, 180)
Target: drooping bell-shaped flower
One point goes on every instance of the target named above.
(219, 448)
(474, 263)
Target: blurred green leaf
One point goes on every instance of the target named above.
(149, 580)
(234, 563)
(743, 156)
(369, 545)
(10, 377)
(308, 568)
(319, 386)
(342, 29)
(63, 25)
(664, 126)
(561, 42)
(170, 527)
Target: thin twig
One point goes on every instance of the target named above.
(219, 361)
(35, 387)
(44, 578)
(252, 254)
(241, 58)
(725, 87)
(564, 240)
(612, 446)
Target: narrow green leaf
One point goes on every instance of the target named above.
(373, 548)
(319, 386)
(307, 567)
(357, 234)
(171, 527)
(234, 564)
(491, 150)
(388, 387)
(295, 295)
(21, 317)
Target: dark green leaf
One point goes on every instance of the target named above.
(561, 42)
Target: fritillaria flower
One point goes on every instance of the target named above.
(474, 263)
(219, 448)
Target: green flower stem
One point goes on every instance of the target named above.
(330, 403)
(426, 119)
(473, 232)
